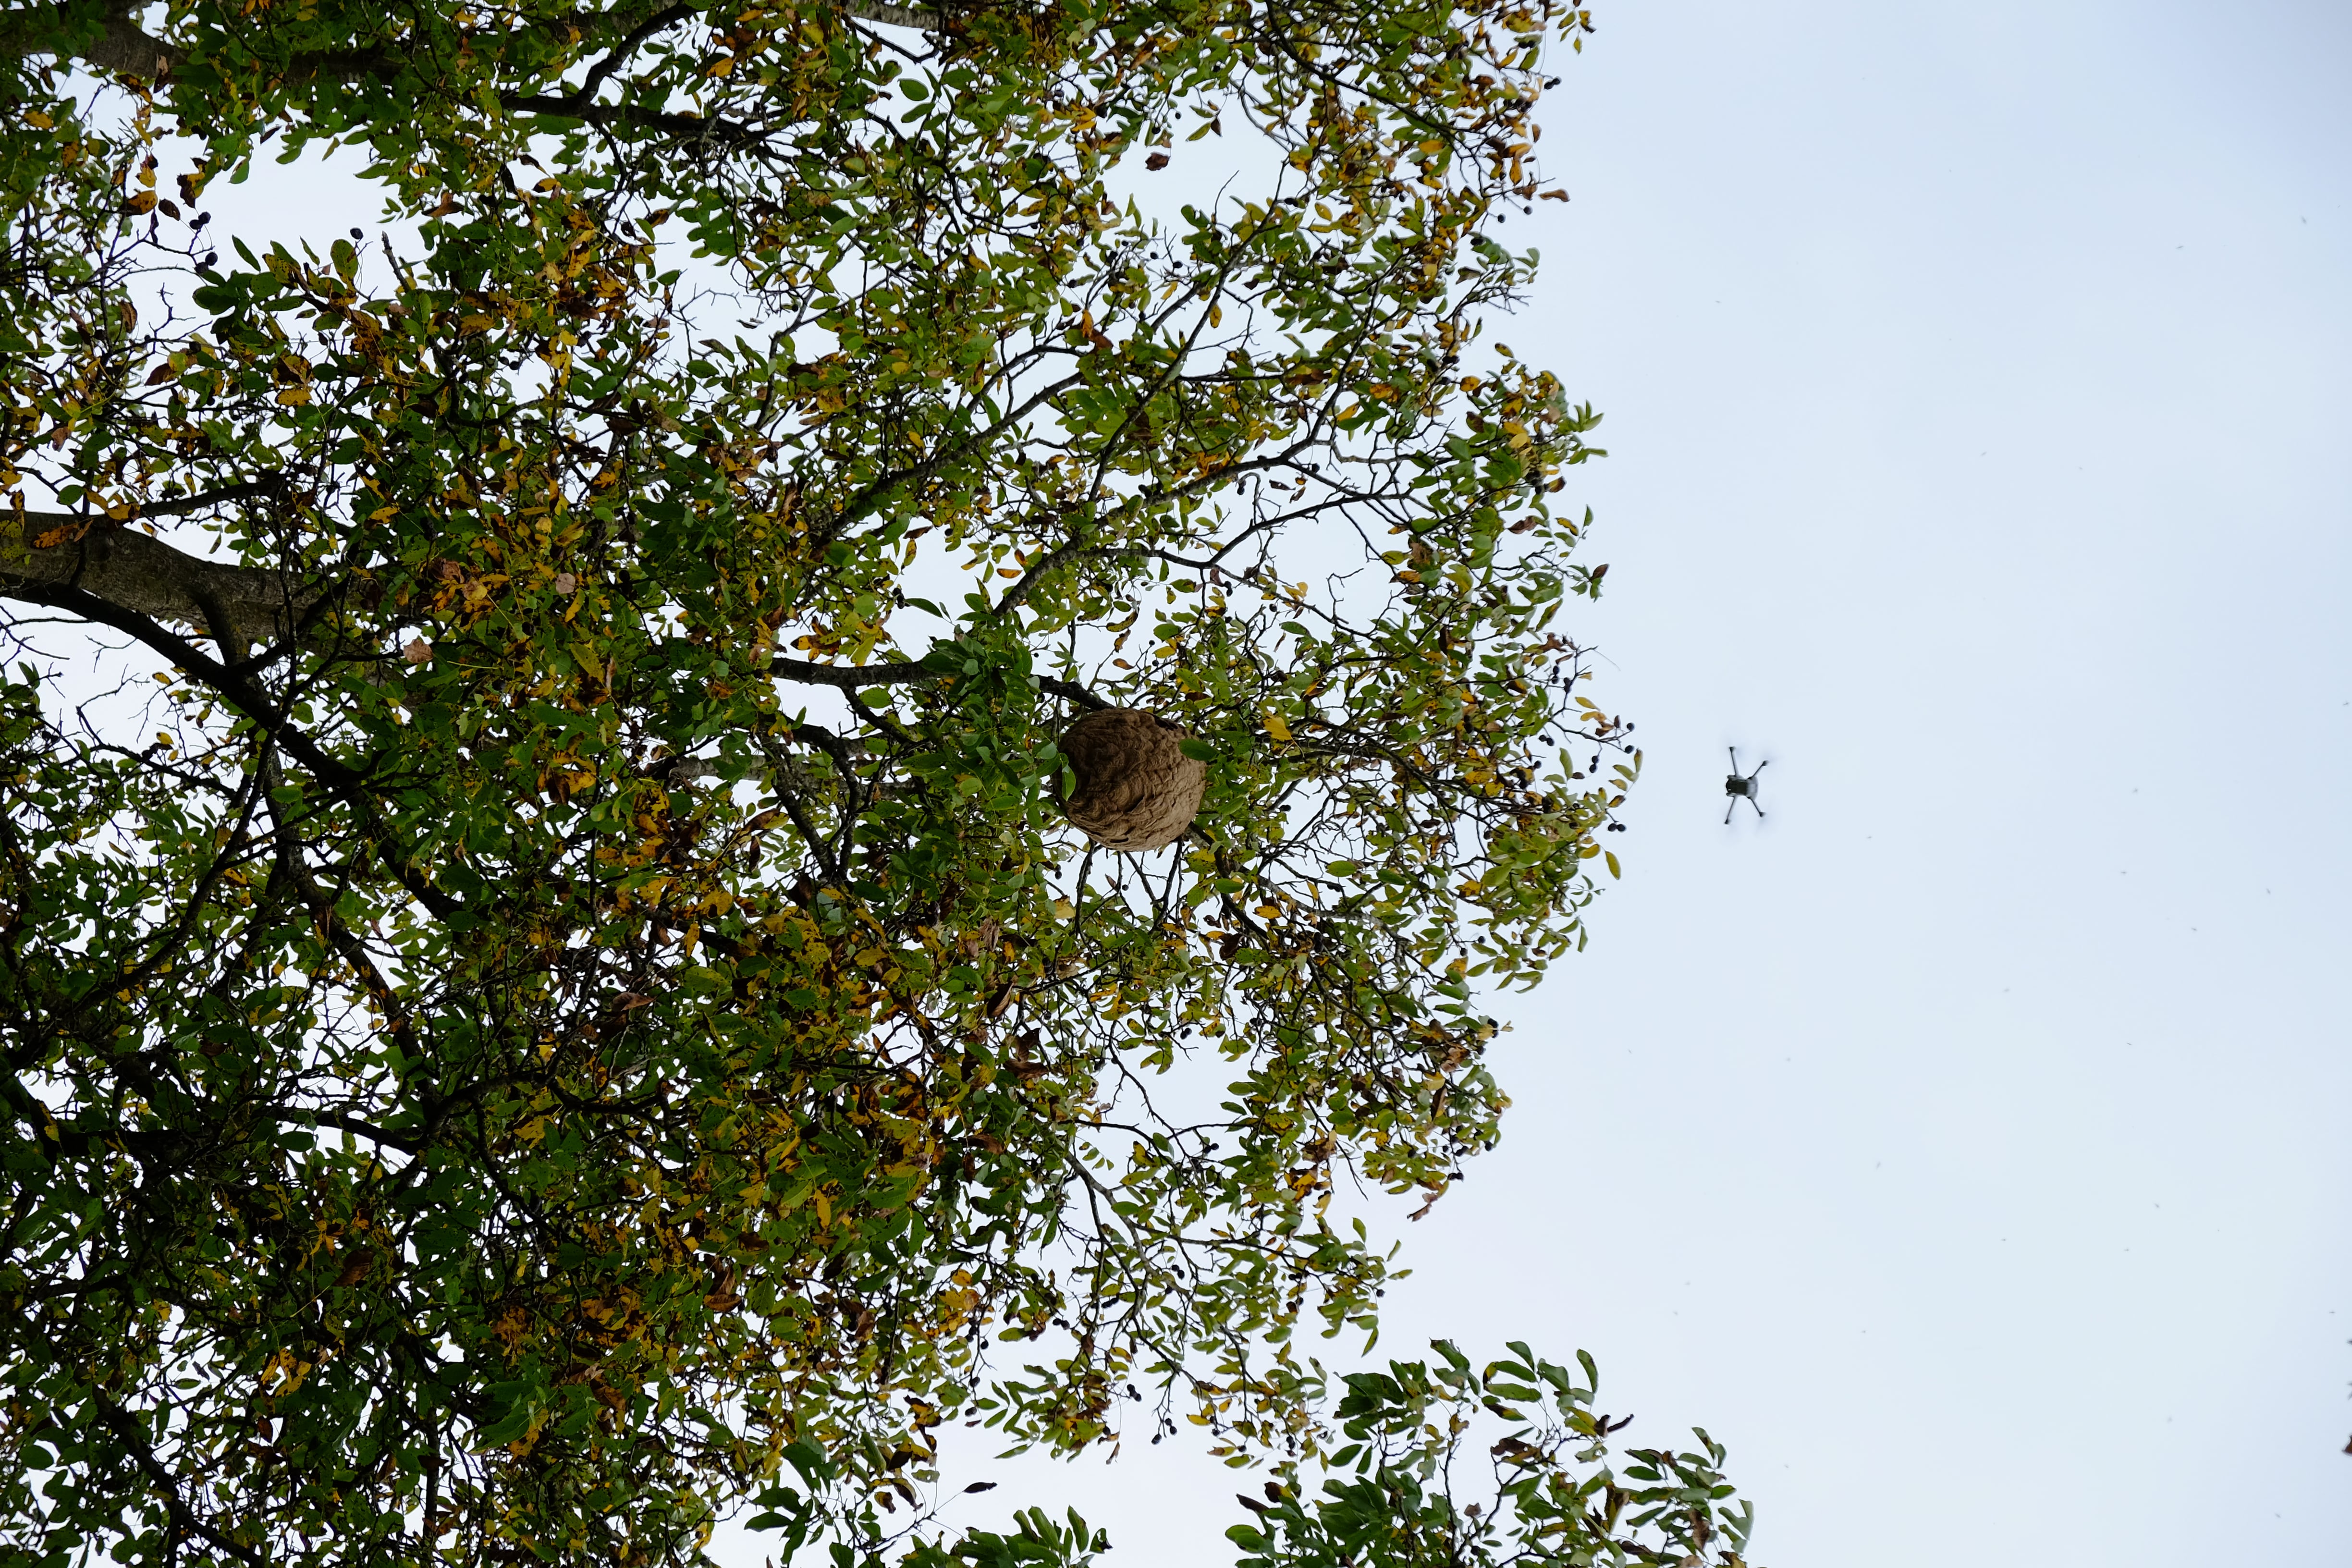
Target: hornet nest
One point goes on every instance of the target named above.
(1137, 789)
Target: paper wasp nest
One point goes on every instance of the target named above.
(1137, 789)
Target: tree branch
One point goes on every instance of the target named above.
(895, 15)
(127, 50)
(125, 1428)
(147, 577)
(684, 127)
(407, 1144)
(339, 777)
(857, 676)
(121, 46)
(1071, 691)
(852, 677)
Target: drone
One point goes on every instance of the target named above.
(1742, 786)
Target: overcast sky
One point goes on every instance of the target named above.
(1965, 1145)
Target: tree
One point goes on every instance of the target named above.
(568, 1003)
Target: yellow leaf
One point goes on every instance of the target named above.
(1610, 856)
(1276, 726)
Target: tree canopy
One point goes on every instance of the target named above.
(549, 995)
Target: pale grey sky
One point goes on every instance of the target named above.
(1965, 1145)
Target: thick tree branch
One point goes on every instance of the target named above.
(147, 577)
(122, 46)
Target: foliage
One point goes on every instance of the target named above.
(569, 1004)
(1551, 1498)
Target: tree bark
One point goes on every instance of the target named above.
(125, 48)
(243, 606)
